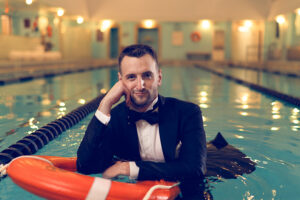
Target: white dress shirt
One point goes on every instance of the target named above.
(149, 141)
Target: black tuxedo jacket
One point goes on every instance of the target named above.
(179, 122)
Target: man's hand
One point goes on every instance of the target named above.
(120, 168)
(112, 97)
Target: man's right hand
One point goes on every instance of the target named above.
(112, 97)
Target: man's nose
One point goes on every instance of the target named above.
(140, 83)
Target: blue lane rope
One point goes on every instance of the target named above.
(287, 98)
(4, 82)
(36, 140)
(289, 74)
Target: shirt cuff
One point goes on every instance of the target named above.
(134, 170)
(104, 119)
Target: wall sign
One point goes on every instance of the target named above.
(177, 38)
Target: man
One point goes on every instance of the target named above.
(153, 137)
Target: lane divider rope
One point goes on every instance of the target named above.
(287, 98)
(36, 140)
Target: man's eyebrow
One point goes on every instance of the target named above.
(148, 72)
(127, 75)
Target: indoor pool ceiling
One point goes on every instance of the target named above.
(165, 10)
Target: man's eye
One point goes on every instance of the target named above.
(147, 75)
(130, 77)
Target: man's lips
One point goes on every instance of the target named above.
(140, 93)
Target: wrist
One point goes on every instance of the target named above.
(105, 107)
(125, 168)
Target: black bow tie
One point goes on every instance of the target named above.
(150, 116)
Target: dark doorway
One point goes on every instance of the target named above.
(114, 42)
(149, 37)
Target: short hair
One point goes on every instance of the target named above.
(137, 50)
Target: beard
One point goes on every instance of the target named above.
(141, 101)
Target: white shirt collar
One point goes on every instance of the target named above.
(152, 104)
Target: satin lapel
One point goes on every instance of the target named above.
(129, 142)
(131, 137)
(167, 130)
(133, 141)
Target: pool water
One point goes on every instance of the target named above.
(265, 129)
(27, 106)
(281, 83)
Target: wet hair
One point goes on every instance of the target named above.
(137, 50)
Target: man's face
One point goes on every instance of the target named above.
(141, 78)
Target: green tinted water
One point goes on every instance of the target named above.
(264, 128)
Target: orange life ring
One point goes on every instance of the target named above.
(49, 31)
(195, 36)
(53, 177)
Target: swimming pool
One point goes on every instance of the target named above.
(264, 128)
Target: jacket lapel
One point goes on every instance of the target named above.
(134, 141)
(130, 137)
(167, 129)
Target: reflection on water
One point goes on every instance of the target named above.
(280, 83)
(81, 101)
(27, 106)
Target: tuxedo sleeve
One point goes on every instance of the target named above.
(191, 162)
(95, 152)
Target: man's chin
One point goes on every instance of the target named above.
(139, 103)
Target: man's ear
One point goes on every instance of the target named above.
(159, 77)
(119, 76)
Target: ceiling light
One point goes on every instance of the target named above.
(60, 12)
(248, 23)
(148, 23)
(105, 25)
(80, 20)
(205, 24)
(243, 29)
(280, 19)
(28, 2)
